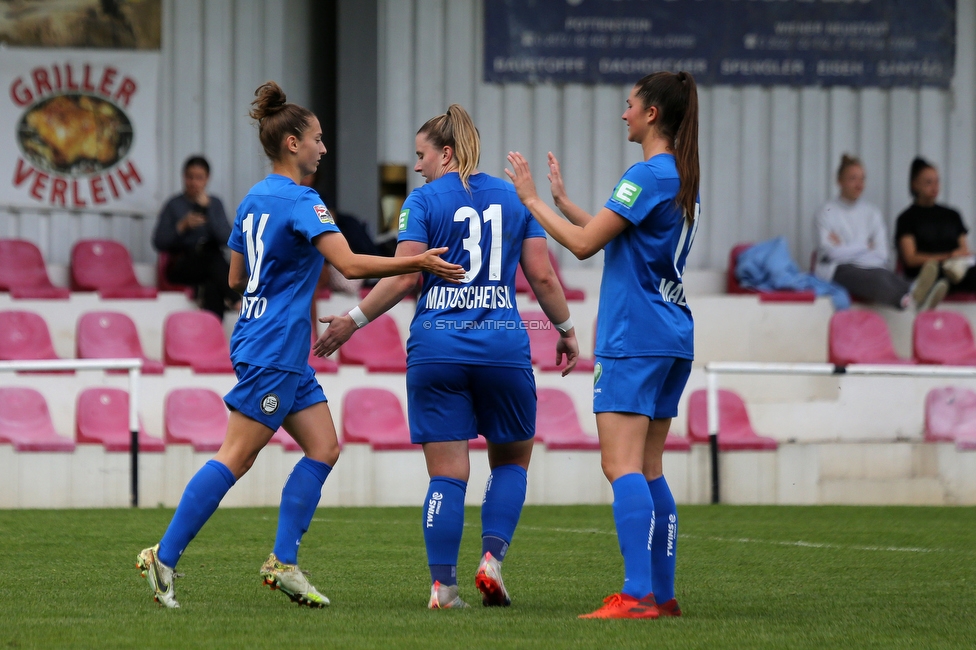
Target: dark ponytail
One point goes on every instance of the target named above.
(676, 98)
(277, 118)
(919, 165)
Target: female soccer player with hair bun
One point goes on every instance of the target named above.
(280, 238)
(469, 370)
(645, 332)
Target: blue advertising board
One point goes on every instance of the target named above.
(794, 42)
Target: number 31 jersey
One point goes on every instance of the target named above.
(476, 321)
(274, 228)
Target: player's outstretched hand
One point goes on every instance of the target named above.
(431, 262)
(555, 177)
(521, 177)
(339, 330)
(567, 345)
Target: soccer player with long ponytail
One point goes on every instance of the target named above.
(281, 237)
(645, 332)
(469, 370)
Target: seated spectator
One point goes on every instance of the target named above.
(193, 229)
(930, 233)
(852, 249)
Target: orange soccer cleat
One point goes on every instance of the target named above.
(669, 608)
(623, 606)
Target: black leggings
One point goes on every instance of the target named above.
(207, 270)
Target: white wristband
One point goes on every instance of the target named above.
(358, 317)
(564, 326)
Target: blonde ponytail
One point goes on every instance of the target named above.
(456, 129)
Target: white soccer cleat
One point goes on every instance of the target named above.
(159, 576)
(445, 597)
(292, 582)
(489, 582)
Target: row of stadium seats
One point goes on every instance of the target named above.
(101, 265)
(197, 339)
(105, 266)
(938, 337)
(198, 417)
(950, 416)
(375, 416)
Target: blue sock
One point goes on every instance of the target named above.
(200, 499)
(633, 512)
(299, 498)
(664, 547)
(443, 526)
(501, 508)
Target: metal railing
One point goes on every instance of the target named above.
(134, 366)
(715, 368)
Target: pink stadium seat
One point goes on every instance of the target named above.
(557, 425)
(735, 433)
(103, 418)
(732, 283)
(522, 283)
(25, 422)
(374, 416)
(860, 336)
(196, 339)
(105, 266)
(22, 271)
(542, 342)
(950, 416)
(24, 337)
(194, 416)
(943, 337)
(111, 335)
(377, 346)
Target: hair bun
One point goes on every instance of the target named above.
(269, 99)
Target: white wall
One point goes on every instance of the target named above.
(214, 54)
(768, 155)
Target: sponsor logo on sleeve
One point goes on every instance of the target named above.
(404, 215)
(323, 214)
(626, 193)
(269, 404)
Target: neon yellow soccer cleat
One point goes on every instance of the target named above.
(159, 576)
(292, 582)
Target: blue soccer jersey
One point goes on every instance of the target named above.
(476, 321)
(273, 230)
(643, 310)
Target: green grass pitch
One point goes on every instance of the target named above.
(748, 577)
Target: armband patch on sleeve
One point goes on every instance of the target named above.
(404, 215)
(323, 214)
(626, 193)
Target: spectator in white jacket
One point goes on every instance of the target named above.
(853, 249)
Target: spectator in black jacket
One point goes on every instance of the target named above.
(192, 229)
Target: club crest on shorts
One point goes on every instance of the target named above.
(269, 404)
(597, 372)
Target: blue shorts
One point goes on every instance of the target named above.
(448, 401)
(268, 396)
(649, 386)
